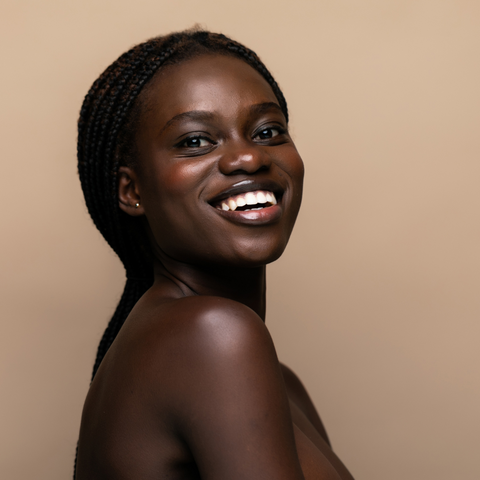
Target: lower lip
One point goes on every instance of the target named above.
(253, 217)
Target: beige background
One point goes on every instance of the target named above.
(376, 302)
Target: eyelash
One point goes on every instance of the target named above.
(183, 143)
(278, 129)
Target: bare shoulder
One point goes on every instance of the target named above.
(198, 378)
(213, 335)
(215, 377)
(298, 394)
(196, 339)
(222, 321)
(199, 326)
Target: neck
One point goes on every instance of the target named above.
(244, 285)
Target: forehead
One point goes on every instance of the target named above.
(215, 83)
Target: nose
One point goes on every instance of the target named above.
(244, 157)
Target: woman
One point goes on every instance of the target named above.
(190, 174)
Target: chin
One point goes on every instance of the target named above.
(251, 258)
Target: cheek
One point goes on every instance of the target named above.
(171, 198)
(295, 169)
(298, 175)
(292, 162)
(298, 167)
(178, 180)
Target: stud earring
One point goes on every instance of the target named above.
(137, 205)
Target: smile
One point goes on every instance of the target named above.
(245, 202)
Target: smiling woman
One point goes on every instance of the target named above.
(190, 174)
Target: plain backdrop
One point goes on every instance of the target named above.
(375, 303)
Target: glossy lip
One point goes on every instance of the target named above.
(248, 186)
(253, 217)
(263, 216)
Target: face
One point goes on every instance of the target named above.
(218, 176)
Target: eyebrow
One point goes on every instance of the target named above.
(260, 108)
(191, 115)
(200, 115)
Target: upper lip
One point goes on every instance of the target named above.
(248, 186)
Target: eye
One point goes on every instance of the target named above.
(195, 142)
(270, 132)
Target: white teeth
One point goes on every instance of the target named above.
(232, 204)
(261, 197)
(251, 198)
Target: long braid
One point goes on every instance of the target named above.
(108, 114)
(134, 289)
(106, 132)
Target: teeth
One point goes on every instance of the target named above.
(232, 204)
(261, 197)
(241, 202)
(249, 198)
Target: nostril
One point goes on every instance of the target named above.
(244, 158)
(242, 171)
(252, 165)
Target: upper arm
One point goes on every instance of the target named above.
(228, 398)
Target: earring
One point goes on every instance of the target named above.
(137, 205)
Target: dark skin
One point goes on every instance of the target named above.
(192, 387)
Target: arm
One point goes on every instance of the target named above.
(227, 396)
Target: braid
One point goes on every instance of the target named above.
(134, 289)
(106, 136)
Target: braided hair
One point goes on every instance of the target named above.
(107, 127)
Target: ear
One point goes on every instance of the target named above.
(128, 195)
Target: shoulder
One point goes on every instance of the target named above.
(222, 390)
(206, 322)
(218, 323)
(204, 372)
(194, 338)
(212, 329)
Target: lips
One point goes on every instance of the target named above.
(255, 200)
(247, 194)
(250, 202)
